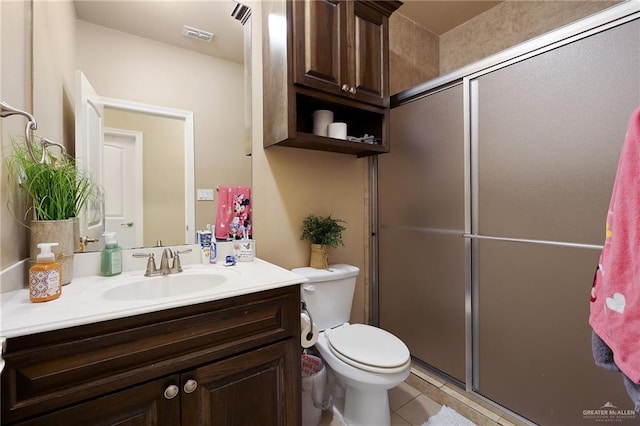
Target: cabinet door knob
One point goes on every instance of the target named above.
(345, 87)
(171, 391)
(190, 386)
(352, 90)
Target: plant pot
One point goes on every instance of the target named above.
(55, 231)
(319, 256)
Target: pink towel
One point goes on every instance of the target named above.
(615, 297)
(233, 220)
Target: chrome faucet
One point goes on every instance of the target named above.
(164, 262)
(165, 269)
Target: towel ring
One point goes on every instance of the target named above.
(7, 110)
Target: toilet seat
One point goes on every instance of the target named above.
(369, 348)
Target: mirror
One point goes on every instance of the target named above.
(134, 53)
(128, 145)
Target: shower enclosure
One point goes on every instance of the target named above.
(492, 206)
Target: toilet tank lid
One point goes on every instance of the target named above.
(334, 272)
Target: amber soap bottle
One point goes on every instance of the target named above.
(45, 276)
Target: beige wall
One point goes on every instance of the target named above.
(15, 89)
(123, 66)
(163, 173)
(54, 63)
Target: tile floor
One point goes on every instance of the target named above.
(422, 395)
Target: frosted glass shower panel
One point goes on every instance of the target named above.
(421, 180)
(422, 299)
(550, 132)
(421, 215)
(534, 338)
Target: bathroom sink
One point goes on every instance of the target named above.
(165, 286)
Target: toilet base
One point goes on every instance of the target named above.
(363, 407)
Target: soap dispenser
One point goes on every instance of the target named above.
(45, 276)
(111, 258)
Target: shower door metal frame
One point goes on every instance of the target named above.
(612, 17)
(472, 236)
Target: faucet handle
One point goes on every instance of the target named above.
(151, 263)
(177, 266)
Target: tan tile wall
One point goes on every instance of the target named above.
(417, 55)
(508, 24)
(413, 54)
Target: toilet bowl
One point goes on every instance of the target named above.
(366, 361)
(366, 400)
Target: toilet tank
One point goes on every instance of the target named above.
(329, 293)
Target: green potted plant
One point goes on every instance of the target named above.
(323, 232)
(52, 193)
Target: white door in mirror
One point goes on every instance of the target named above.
(122, 183)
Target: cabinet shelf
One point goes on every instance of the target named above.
(321, 143)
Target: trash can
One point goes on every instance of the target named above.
(313, 383)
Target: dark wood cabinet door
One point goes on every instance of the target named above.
(255, 388)
(320, 44)
(144, 405)
(369, 67)
(339, 48)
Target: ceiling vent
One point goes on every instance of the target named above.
(201, 35)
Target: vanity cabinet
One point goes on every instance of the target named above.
(326, 54)
(229, 362)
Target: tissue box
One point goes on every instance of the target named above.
(244, 250)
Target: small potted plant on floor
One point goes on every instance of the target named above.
(323, 232)
(51, 192)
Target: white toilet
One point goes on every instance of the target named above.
(367, 361)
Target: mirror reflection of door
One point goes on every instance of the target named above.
(161, 174)
(89, 137)
(122, 182)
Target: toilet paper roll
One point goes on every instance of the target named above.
(308, 331)
(337, 130)
(321, 119)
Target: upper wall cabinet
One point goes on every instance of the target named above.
(342, 48)
(323, 54)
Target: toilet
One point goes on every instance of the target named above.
(366, 361)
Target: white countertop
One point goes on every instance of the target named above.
(82, 300)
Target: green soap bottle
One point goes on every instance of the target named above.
(111, 262)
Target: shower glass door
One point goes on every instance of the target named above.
(421, 216)
(546, 137)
